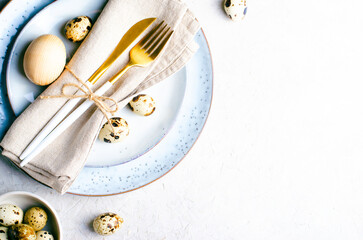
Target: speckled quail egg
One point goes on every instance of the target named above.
(107, 223)
(235, 9)
(117, 133)
(44, 235)
(10, 215)
(3, 233)
(36, 217)
(21, 232)
(77, 28)
(142, 104)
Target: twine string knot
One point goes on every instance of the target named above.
(100, 101)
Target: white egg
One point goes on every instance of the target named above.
(235, 9)
(107, 223)
(3, 233)
(142, 104)
(44, 235)
(117, 133)
(44, 59)
(10, 215)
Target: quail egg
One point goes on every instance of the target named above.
(36, 217)
(142, 104)
(3, 233)
(10, 215)
(77, 28)
(117, 133)
(21, 232)
(44, 235)
(107, 223)
(235, 9)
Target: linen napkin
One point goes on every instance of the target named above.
(60, 163)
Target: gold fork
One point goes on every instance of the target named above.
(141, 55)
(147, 50)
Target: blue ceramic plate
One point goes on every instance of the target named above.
(109, 178)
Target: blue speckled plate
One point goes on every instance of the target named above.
(96, 180)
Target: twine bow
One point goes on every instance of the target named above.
(88, 94)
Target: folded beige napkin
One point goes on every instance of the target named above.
(61, 162)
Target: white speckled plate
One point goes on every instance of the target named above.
(145, 132)
(104, 173)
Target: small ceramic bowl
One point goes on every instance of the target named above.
(26, 200)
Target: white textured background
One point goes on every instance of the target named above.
(281, 155)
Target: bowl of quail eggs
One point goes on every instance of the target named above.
(26, 216)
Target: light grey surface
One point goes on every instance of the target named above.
(281, 154)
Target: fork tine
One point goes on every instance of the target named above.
(155, 37)
(150, 34)
(157, 41)
(159, 48)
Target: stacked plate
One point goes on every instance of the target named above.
(156, 143)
